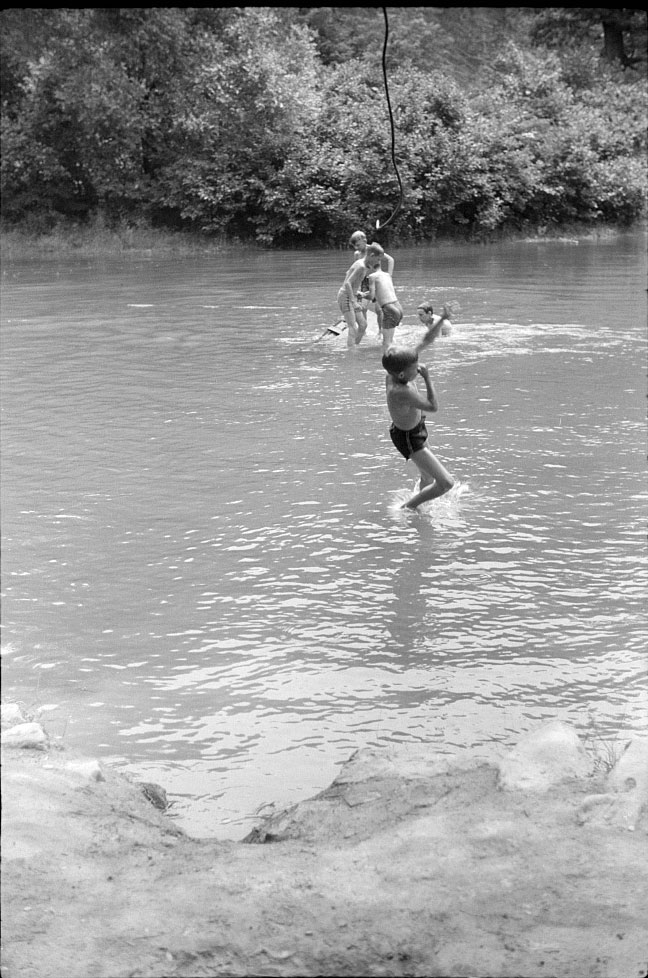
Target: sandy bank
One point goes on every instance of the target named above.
(405, 865)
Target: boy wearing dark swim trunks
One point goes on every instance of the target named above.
(388, 308)
(406, 406)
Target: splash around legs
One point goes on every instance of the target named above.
(435, 479)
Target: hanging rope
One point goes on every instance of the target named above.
(391, 121)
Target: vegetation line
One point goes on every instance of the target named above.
(264, 124)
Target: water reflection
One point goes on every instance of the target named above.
(205, 570)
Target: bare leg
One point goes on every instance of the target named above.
(350, 320)
(435, 479)
(387, 338)
(361, 321)
(430, 492)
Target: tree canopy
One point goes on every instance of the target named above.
(272, 123)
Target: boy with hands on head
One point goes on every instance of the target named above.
(406, 406)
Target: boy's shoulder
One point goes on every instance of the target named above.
(395, 388)
(355, 267)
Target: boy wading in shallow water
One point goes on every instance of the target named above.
(358, 241)
(349, 295)
(389, 311)
(406, 406)
(427, 317)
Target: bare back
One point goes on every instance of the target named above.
(382, 287)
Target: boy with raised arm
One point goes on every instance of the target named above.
(406, 406)
(426, 316)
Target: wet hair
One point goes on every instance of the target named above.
(375, 249)
(396, 359)
(354, 237)
(426, 306)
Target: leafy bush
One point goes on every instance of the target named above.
(229, 121)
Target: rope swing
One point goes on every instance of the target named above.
(391, 121)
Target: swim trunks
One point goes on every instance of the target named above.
(392, 315)
(343, 300)
(408, 442)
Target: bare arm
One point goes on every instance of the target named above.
(390, 263)
(432, 403)
(404, 397)
(353, 279)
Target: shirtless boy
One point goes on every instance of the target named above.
(388, 308)
(426, 316)
(350, 305)
(406, 406)
(358, 241)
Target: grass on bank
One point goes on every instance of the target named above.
(97, 240)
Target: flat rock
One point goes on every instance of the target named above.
(543, 758)
(11, 714)
(26, 735)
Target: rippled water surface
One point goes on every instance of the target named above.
(205, 570)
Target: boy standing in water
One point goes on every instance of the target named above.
(348, 301)
(358, 241)
(388, 309)
(406, 406)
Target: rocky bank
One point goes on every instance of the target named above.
(408, 864)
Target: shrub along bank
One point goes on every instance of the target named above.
(231, 122)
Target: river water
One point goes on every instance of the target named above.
(206, 575)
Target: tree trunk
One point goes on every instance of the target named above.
(613, 47)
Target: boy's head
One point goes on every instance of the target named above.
(375, 250)
(398, 361)
(425, 312)
(358, 238)
(372, 257)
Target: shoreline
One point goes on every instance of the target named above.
(98, 241)
(408, 864)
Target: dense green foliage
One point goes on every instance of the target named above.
(272, 124)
